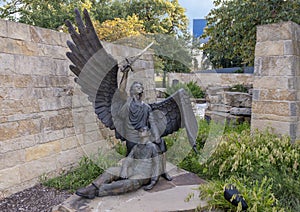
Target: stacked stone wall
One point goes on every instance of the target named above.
(206, 80)
(277, 79)
(46, 123)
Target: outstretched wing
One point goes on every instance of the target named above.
(95, 68)
(176, 112)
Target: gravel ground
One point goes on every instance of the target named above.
(35, 199)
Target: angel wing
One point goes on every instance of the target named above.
(96, 70)
(176, 112)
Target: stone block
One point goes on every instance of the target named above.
(19, 108)
(276, 32)
(20, 117)
(7, 63)
(272, 117)
(33, 65)
(292, 48)
(278, 66)
(211, 91)
(47, 36)
(50, 51)
(69, 158)
(215, 99)
(3, 27)
(223, 118)
(8, 131)
(18, 31)
(274, 82)
(52, 135)
(24, 48)
(257, 67)
(37, 168)
(61, 67)
(92, 148)
(237, 99)
(13, 158)
(49, 104)
(16, 144)
(58, 122)
(240, 111)
(277, 127)
(69, 132)
(9, 177)
(23, 81)
(69, 143)
(3, 119)
(6, 81)
(269, 48)
(273, 107)
(42, 150)
(277, 95)
(219, 107)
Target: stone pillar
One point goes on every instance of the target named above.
(276, 87)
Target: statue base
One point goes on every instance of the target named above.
(165, 196)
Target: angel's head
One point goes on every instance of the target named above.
(136, 89)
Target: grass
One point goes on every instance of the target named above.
(81, 176)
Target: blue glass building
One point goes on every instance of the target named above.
(198, 27)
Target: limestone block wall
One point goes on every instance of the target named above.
(205, 80)
(276, 85)
(46, 123)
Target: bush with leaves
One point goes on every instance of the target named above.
(255, 157)
(257, 194)
(191, 87)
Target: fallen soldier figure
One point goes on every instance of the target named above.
(140, 168)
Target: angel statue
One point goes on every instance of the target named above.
(96, 72)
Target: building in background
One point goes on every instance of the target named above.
(198, 27)
(200, 61)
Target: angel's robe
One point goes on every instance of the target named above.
(129, 117)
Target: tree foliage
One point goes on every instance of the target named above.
(118, 28)
(232, 28)
(158, 16)
(115, 20)
(44, 13)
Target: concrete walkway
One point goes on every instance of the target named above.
(165, 196)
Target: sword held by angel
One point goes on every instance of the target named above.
(97, 71)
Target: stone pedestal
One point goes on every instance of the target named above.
(276, 79)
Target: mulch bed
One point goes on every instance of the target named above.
(35, 199)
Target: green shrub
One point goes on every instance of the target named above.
(256, 156)
(192, 88)
(208, 137)
(196, 91)
(257, 194)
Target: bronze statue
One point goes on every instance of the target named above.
(97, 72)
(140, 167)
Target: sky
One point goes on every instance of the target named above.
(196, 8)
